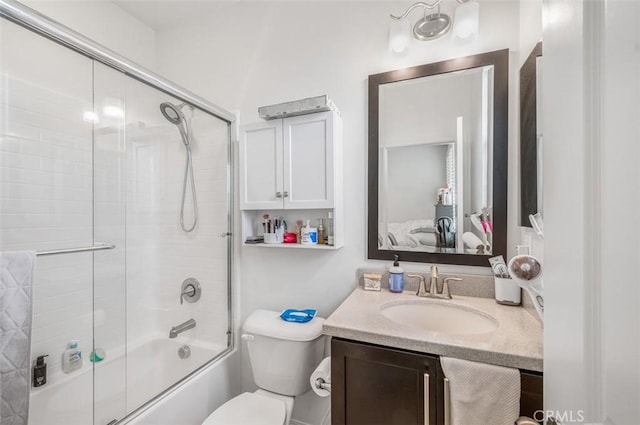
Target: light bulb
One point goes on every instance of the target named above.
(399, 37)
(466, 20)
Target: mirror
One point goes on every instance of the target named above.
(531, 137)
(438, 161)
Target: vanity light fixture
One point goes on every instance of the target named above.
(434, 25)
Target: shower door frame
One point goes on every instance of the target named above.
(34, 21)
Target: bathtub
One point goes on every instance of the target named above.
(151, 368)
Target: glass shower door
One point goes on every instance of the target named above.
(109, 293)
(46, 203)
(87, 157)
(163, 258)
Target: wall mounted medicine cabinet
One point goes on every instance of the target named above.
(292, 168)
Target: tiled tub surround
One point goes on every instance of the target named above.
(60, 402)
(517, 342)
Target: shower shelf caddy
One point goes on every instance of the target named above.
(291, 168)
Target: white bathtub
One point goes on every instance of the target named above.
(122, 384)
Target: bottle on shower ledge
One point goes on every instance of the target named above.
(71, 358)
(40, 372)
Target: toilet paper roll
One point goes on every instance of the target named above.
(323, 372)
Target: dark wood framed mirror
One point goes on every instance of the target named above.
(437, 161)
(530, 137)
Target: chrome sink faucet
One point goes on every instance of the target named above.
(433, 285)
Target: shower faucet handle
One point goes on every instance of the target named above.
(191, 290)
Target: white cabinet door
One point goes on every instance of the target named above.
(308, 161)
(261, 166)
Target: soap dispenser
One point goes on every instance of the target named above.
(396, 276)
(40, 372)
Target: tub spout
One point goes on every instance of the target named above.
(189, 324)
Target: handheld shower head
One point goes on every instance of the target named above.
(174, 115)
(172, 112)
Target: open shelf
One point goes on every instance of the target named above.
(294, 245)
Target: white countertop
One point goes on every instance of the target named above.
(517, 342)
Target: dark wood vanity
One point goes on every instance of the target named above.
(372, 384)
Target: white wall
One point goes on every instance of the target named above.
(245, 55)
(287, 56)
(105, 23)
(415, 175)
(425, 110)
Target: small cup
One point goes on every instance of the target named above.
(271, 238)
(507, 291)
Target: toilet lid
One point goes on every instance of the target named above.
(249, 409)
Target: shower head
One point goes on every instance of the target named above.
(172, 112)
(174, 115)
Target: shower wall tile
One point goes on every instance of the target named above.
(46, 202)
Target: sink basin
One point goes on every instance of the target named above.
(437, 316)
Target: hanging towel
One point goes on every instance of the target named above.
(16, 289)
(482, 394)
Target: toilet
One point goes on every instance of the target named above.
(282, 355)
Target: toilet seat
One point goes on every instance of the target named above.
(249, 409)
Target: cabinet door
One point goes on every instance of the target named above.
(261, 166)
(309, 161)
(375, 385)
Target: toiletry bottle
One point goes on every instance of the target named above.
(299, 231)
(71, 358)
(309, 235)
(40, 372)
(396, 277)
(329, 229)
(321, 233)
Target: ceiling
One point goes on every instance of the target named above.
(164, 14)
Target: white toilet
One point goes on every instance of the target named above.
(283, 355)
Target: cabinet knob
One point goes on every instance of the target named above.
(279, 194)
(286, 194)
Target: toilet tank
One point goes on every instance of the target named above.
(283, 354)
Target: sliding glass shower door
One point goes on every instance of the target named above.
(87, 157)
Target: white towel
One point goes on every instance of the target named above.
(16, 294)
(482, 394)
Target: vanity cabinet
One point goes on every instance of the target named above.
(380, 385)
(377, 385)
(291, 163)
